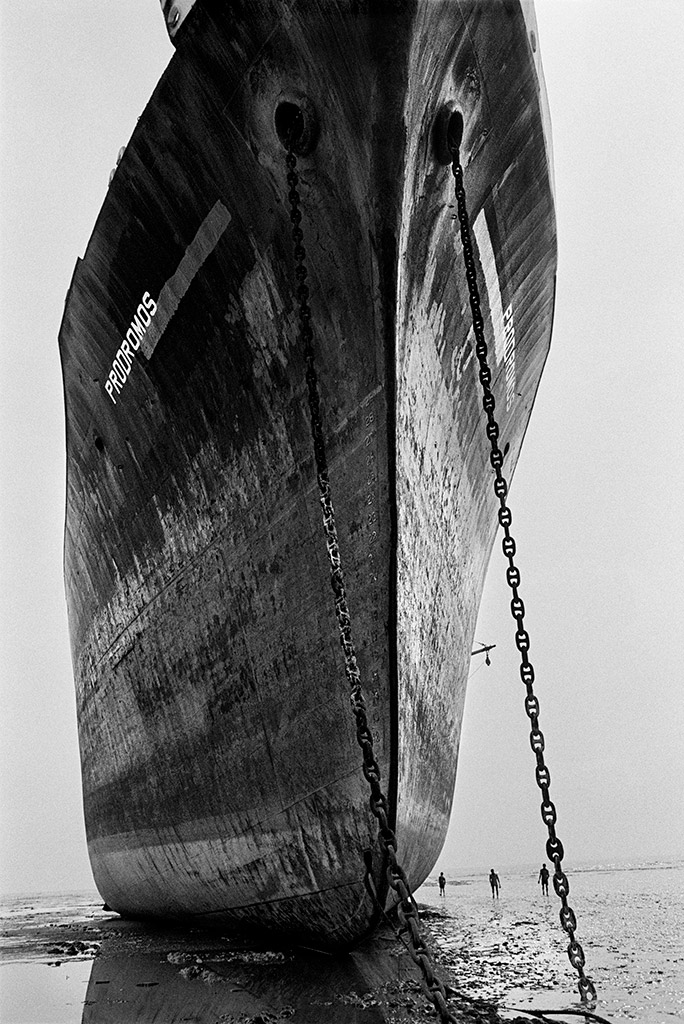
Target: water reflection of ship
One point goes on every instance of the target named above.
(145, 974)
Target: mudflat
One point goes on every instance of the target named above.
(143, 972)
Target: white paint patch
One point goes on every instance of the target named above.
(203, 244)
(509, 355)
(488, 261)
(503, 326)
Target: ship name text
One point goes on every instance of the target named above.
(130, 344)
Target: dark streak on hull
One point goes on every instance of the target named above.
(221, 771)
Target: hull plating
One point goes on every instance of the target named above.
(221, 771)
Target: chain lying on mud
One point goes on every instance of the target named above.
(407, 910)
(554, 847)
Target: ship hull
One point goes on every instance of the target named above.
(221, 771)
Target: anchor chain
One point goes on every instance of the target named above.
(407, 910)
(554, 847)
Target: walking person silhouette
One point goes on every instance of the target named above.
(495, 882)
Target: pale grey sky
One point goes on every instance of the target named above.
(598, 496)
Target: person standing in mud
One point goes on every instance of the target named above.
(495, 882)
(544, 879)
(442, 883)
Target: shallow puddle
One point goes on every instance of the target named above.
(38, 993)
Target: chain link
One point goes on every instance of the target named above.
(407, 910)
(554, 847)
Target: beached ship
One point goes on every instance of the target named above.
(221, 769)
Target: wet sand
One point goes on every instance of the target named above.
(82, 964)
(64, 961)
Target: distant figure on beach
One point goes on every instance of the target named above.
(495, 882)
(544, 879)
(442, 883)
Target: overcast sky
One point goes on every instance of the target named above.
(598, 496)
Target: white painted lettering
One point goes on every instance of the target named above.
(137, 328)
(121, 374)
(133, 339)
(144, 315)
(122, 363)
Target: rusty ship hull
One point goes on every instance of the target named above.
(221, 770)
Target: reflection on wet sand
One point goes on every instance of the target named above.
(143, 974)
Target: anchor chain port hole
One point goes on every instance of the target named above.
(447, 134)
(296, 126)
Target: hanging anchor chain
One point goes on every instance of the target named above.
(554, 847)
(407, 910)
